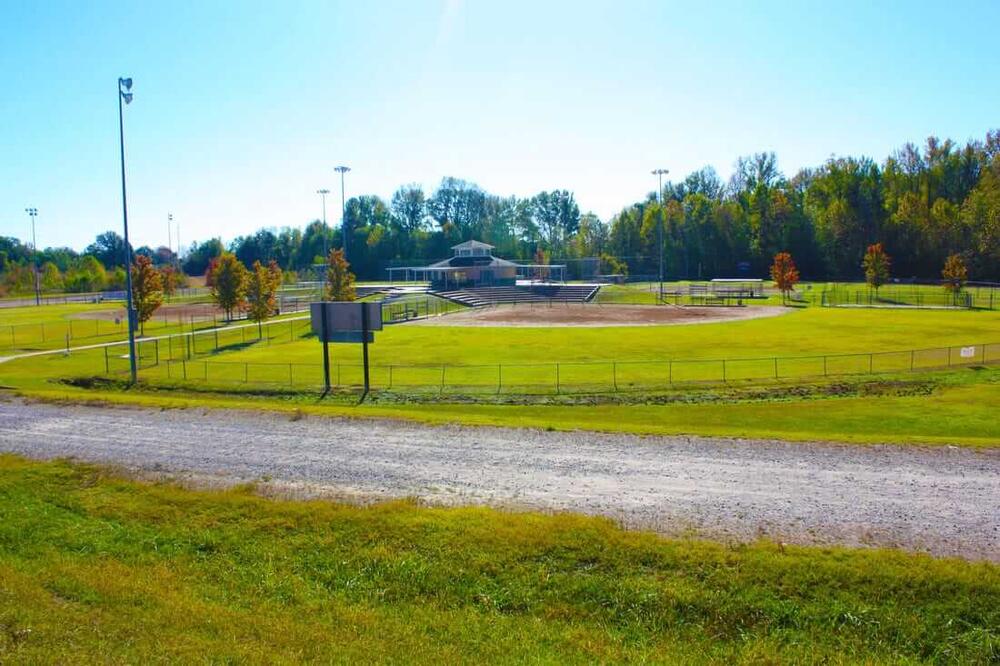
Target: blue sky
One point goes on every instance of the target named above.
(242, 109)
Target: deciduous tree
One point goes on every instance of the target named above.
(954, 273)
(147, 290)
(339, 278)
(227, 281)
(785, 274)
(876, 265)
(262, 293)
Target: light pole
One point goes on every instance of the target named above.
(343, 207)
(326, 242)
(659, 195)
(170, 248)
(33, 213)
(125, 95)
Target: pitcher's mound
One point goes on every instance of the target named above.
(587, 314)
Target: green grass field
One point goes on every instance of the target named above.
(98, 569)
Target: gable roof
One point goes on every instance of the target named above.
(471, 245)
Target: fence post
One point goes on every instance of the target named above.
(156, 350)
(107, 364)
(290, 382)
(499, 377)
(557, 371)
(184, 367)
(390, 377)
(723, 371)
(442, 378)
(614, 374)
(670, 371)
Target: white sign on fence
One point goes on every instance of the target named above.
(967, 352)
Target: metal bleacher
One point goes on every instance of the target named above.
(482, 296)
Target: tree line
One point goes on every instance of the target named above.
(923, 204)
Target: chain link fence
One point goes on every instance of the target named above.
(173, 363)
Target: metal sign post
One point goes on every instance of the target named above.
(326, 354)
(364, 348)
(346, 322)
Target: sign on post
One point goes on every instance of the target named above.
(344, 317)
(345, 322)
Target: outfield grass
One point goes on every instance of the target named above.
(799, 332)
(95, 568)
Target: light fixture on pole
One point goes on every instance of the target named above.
(343, 207)
(33, 213)
(125, 95)
(326, 241)
(659, 173)
(170, 248)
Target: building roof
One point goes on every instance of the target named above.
(471, 245)
(469, 262)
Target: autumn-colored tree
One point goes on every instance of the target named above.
(227, 281)
(785, 274)
(147, 290)
(339, 278)
(876, 264)
(955, 273)
(171, 280)
(262, 293)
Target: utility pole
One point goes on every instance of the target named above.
(33, 213)
(170, 248)
(343, 206)
(125, 95)
(659, 196)
(326, 240)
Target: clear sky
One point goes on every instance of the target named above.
(242, 109)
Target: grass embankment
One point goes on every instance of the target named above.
(94, 568)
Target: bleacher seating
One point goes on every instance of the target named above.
(480, 296)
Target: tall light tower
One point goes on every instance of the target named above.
(33, 213)
(343, 206)
(170, 248)
(659, 173)
(125, 96)
(326, 241)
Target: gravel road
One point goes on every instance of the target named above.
(945, 500)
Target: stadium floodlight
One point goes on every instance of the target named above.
(124, 85)
(343, 207)
(659, 173)
(33, 213)
(326, 241)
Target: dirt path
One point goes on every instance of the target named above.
(943, 500)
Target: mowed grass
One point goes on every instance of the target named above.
(799, 331)
(97, 569)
